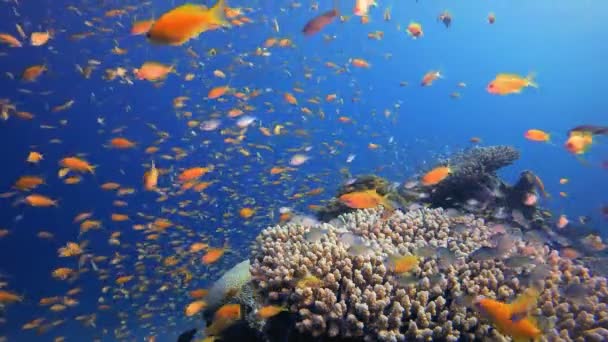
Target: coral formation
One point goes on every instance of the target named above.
(356, 295)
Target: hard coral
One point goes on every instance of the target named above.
(357, 296)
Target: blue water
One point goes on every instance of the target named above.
(561, 41)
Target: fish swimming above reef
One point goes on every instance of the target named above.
(317, 23)
(580, 138)
(512, 318)
(186, 22)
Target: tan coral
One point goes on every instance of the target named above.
(359, 297)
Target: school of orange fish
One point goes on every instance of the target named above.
(155, 253)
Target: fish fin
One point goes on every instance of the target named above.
(524, 302)
(530, 80)
(218, 14)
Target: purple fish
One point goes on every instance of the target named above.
(317, 23)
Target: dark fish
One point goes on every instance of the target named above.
(187, 336)
(317, 23)
(595, 130)
(485, 253)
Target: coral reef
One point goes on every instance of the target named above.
(356, 295)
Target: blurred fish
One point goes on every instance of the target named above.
(315, 234)
(576, 293)
(319, 22)
(485, 253)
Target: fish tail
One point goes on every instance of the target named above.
(218, 13)
(530, 80)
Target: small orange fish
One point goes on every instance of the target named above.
(430, 77)
(537, 135)
(26, 183)
(32, 73)
(366, 199)
(193, 173)
(76, 164)
(401, 264)
(270, 311)
(10, 40)
(436, 175)
(213, 255)
(119, 217)
(121, 143)
(414, 30)
(36, 200)
(186, 22)
(153, 71)
(8, 297)
(39, 38)
(505, 84)
(360, 63)
(289, 98)
(217, 92)
(151, 178)
(195, 307)
(34, 157)
(123, 280)
(199, 293)
(246, 212)
(141, 27)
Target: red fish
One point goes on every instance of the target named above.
(317, 23)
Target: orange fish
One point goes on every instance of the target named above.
(224, 317)
(121, 143)
(110, 186)
(401, 264)
(537, 135)
(36, 200)
(213, 255)
(195, 307)
(34, 157)
(119, 217)
(76, 164)
(199, 293)
(246, 212)
(122, 280)
(436, 175)
(512, 319)
(153, 71)
(360, 63)
(430, 77)
(217, 92)
(26, 183)
(151, 178)
(364, 200)
(141, 27)
(505, 84)
(32, 73)
(193, 173)
(270, 311)
(229, 311)
(39, 38)
(290, 98)
(414, 30)
(579, 142)
(186, 22)
(8, 297)
(10, 40)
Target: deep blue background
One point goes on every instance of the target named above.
(561, 41)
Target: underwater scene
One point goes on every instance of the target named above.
(303, 170)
